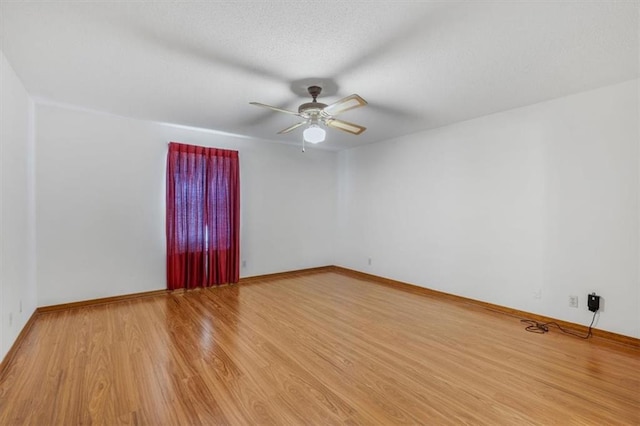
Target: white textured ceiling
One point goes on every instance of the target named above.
(420, 65)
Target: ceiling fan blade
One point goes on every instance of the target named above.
(290, 128)
(345, 126)
(344, 104)
(274, 108)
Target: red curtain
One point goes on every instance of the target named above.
(203, 216)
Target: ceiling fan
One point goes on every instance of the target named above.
(316, 113)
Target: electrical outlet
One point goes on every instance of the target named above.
(537, 293)
(244, 263)
(369, 260)
(573, 301)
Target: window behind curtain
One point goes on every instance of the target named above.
(203, 212)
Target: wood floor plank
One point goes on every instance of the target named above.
(319, 348)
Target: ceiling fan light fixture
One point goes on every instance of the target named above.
(314, 134)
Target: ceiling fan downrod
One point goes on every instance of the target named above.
(314, 91)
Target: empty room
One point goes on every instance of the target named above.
(336, 212)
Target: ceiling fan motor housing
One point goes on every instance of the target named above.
(313, 108)
(310, 108)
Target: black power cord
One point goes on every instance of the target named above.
(541, 328)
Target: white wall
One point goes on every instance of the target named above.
(543, 197)
(101, 204)
(17, 284)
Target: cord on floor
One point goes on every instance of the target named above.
(541, 328)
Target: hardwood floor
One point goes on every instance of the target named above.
(313, 349)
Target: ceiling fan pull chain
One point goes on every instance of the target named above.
(302, 143)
